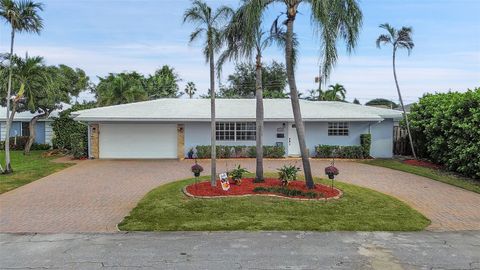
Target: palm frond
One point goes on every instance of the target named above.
(383, 39)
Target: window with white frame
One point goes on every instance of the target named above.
(338, 128)
(235, 131)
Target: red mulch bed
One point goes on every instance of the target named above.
(422, 163)
(246, 187)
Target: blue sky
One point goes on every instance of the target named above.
(142, 35)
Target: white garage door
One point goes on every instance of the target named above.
(138, 141)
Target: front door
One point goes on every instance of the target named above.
(293, 145)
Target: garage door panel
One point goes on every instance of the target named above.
(143, 141)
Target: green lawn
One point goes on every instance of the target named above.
(27, 168)
(438, 175)
(166, 208)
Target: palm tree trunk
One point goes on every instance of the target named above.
(8, 166)
(213, 177)
(259, 116)
(401, 104)
(295, 101)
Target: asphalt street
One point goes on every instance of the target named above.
(242, 250)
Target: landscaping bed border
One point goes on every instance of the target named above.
(340, 194)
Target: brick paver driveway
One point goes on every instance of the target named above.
(95, 195)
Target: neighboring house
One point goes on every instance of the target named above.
(43, 132)
(168, 128)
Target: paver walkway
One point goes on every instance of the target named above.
(95, 195)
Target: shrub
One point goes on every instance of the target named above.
(237, 174)
(16, 143)
(287, 192)
(64, 126)
(77, 145)
(366, 143)
(446, 130)
(41, 146)
(224, 151)
(329, 151)
(288, 173)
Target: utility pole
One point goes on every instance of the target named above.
(319, 80)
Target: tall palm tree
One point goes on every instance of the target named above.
(209, 23)
(399, 39)
(245, 39)
(335, 92)
(190, 89)
(334, 20)
(23, 16)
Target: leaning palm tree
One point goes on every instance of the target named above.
(399, 39)
(334, 20)
(23, 17)
(209, 23)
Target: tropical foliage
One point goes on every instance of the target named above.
(128, 87)
(241, 84)
(22, 16)
(335, 92)
(190, 89)
(70, 134)
(446, 128)
(382, 102)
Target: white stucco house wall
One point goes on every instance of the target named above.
(168, 128)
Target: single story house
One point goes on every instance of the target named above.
(43, 128)
(169, 128)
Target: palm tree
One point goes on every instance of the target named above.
(120, 89)
(190, 89)
(245, 39)
(209, 24)
(334, 20)
(399, 39)
(23, 17)
(335, 92)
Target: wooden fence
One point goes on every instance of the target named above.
(401, 144)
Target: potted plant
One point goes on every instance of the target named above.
(331, 171)
(288, 173)
(197, 169)
(237, 174)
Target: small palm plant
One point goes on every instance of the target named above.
(237, 174)
(288, 173)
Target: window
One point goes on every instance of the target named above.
(235, 131)
(337, 128)
(25, 129)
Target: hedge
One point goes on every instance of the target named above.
(329, 151)
(366, 143)
(225, 151)
(18, 144)
(446, 130)
(64, 127)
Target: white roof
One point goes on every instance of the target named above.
(186, 110)
(27, 116)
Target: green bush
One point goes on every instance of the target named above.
(446, 129)
(78, 147)
(224, 151)
(41, 146)
(64, 126)
(329, 151)
(16, 143)
(366, 143)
